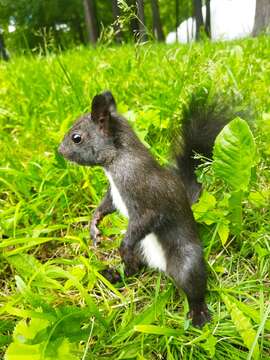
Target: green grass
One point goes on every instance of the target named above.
(50, 284)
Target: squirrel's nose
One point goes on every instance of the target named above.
(61, 149)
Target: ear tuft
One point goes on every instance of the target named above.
(99, 107)
(110, 100)
(102, 105)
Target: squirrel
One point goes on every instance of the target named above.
(157, 200)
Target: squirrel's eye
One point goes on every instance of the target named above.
(76, 138)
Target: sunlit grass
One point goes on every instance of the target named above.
(49, 269)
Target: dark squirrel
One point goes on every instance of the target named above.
(157, 200)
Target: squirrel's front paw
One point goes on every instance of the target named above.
(95, 233)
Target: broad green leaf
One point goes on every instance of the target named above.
(236, 217)
(258, 199)
(56, 340)
(223, 232)
(234, 154)
(28, 330)
(61, 349)
(29, 267)
(18, 351)
(251, 312)
(5, 340)
(6, 325)
(26, 265)
(202, 209)
(64, 351)
(72, 324)
(243, 325)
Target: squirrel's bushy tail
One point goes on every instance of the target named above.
(202, 120)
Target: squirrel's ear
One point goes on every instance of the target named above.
(102, 105)
(110, 100)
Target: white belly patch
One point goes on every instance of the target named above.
(153, 253)
(150, 247)
(117, 199)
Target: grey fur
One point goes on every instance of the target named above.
(155, 197)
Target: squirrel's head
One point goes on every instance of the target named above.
(91, 139)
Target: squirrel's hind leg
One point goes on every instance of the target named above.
(187, 268)
(132, 264)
